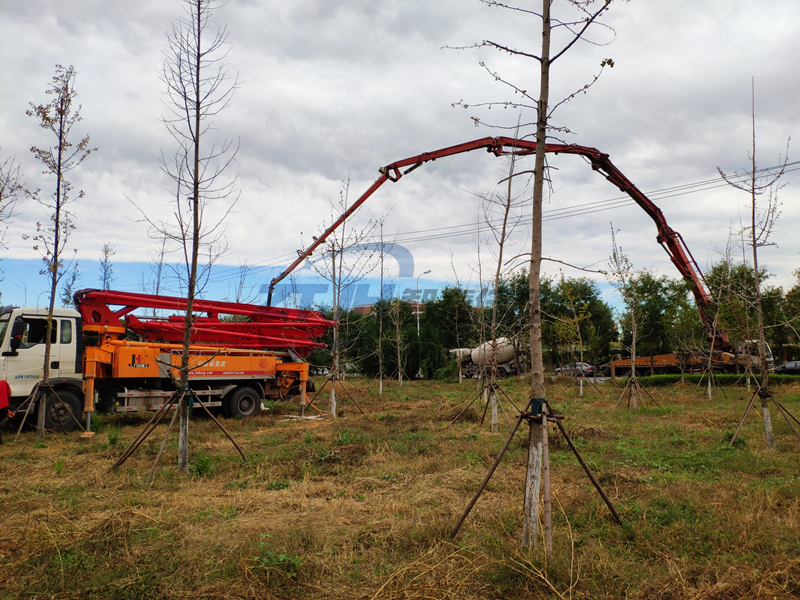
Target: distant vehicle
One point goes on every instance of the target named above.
(476, 362)
(575, 369)
(746, 356)
(790, 368)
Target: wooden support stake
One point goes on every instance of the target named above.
(586, 469)
(29, 402)
(548, 508)
(744, 416)
(492, 469)
(148, 429)
(161, 448)
(350, 396)
(225, 431)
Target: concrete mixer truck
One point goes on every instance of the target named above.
(477, 362)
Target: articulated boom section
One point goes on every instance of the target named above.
(670, 239)
(260, 327)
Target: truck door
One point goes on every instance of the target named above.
(25, 369)
(67, 337)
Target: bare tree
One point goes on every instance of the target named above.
(10, 188)
(379, 313)
(347, 260)
(154, 283)
(58, 117)
(574, 29)
(242, 293)
(504, 203)
(106, 266)
(69, 285)
(762, 220)
(198, 88)
(621, 275)
(397, 317)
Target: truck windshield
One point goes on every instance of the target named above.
(3, 326)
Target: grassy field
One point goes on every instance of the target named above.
(362, 506)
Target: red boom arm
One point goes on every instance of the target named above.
(266, 328)
(669, 239)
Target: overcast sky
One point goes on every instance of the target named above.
(331, 90)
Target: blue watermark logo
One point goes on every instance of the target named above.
(307, 288)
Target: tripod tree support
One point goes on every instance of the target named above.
(179, 396)
(539, 412)
(586, 468)
(492, 469)
(333, 381)
(44, 392)
(492, 388)
(636, 389)
(765, 395)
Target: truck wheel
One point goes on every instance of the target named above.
(242, 402)
(56, 415)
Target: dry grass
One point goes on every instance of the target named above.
(362, 507)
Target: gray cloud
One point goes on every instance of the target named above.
(336, 89)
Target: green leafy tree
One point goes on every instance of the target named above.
(561, 301)
(448, 323)
(577, 301)
(432, 349)
(399, 345)
(661, 301)
(735, 301)
(685, 333)
(791, 312)
(453, 318)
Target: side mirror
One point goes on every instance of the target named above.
(17, 331)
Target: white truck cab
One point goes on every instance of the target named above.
(22, 343)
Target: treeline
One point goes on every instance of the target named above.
(733, 287)
(576, 318)
(577, 322)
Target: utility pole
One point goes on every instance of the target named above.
(419, 302)
(416, 298)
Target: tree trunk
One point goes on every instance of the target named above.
(399, 350)
(183, 425)
(767, 424)
(493, 400)
(762, 344)
(530, 522)
(48, 342)
(533, 475)
(335, 349)
(634, 390)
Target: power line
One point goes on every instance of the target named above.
(472, 227)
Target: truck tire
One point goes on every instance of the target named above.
(56, 415)
(242, 402)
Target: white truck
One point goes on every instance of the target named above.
(108, 359)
